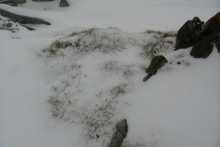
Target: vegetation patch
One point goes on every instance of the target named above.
(99, 41)
(120, 89)
(114, 66)
(156, 46)
(98, 118)
(86, 41)
(110, 66)
(83, 32)
(55, 48)
(98, 121)
(61, 101)
(129, 144)
(162, 33)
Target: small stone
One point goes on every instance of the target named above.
(156, 63)
(120, 134)
(64, 3)
(178, 62)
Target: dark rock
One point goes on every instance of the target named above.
(218, 42)
(178, 62)
(203, 48)
(22, 19)
(43, 0)
(189, 34)
(212, 25)
(64, 3)
(18, 1)
(9, 3)
(120, 134)
(196, 20)
(29, 28)
(156, 63)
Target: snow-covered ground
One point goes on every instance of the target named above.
(129, 15)
(178, 107)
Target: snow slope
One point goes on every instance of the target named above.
(178, 107)
(128, 15)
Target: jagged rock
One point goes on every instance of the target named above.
(22, 19)
(212, 25)
(64, 3)
(120, 134)
(156, 63)
(18, 1)
(203, 48)
(189, 34)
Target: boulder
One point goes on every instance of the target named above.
(204, 47)
(156, 63)
(64, 3)
(212, 25)
(189, 34)
(120, 134)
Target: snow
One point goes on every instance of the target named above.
(177, 107)
(133, 16)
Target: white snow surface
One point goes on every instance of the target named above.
(178, 107)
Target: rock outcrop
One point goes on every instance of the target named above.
(203, 48)
(202, 38)
(189, 34)
(156, 63)
(212, 25)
